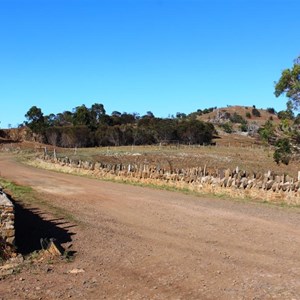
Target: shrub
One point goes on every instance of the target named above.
(236, 118)
(244, 127)
(255, 112)
(271, 110)
(283, 151)
(297, 120)
(248, 115)
(284, 114)
(227, 127)
(267, 131)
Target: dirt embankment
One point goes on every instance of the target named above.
(140, 243)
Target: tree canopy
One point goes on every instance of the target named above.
(91, 126)
(35, 119)
(289, 84)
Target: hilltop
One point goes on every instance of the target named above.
(223, 114)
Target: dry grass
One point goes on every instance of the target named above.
(231, 151)
(252, 158)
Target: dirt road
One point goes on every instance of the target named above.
(141, 243)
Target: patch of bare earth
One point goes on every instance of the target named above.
(141, 243)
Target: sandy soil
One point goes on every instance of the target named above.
(140, 243)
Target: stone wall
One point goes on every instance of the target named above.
(234, 183)
(7, 217)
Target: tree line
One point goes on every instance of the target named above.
(92, 126)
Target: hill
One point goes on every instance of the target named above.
(249, 114)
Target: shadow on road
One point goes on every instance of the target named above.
(32, 224)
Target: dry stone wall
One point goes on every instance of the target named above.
(234, 183)
(7, 217)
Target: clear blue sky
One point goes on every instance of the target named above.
(164, 56)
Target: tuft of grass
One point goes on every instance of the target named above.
(26, 195)
(17, 191)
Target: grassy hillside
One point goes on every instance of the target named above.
(243, 111)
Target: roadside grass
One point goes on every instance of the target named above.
(162, 186)
(17, 192)
(252, 159)
(28, 196)
(28, 199)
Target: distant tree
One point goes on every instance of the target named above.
(106, 120)
(114, 135)
(126, 134)
(79, 136)
(101, 135)
(165, 129)
(82, 116)
(97, 111)
(271, 110)
(142, 136)
(50, 119)
(199, 112)
(116, 113)
(289, 84)
(149, 114)
(68, 138)
(180, 115)
(116, 118)
(85, 127)
(195, 132)
(53, 135)
(128, 118)
(208, 110)
(64, 119)
(35, 119)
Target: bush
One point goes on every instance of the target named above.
(227, 127)
(255, 112)
(236, 118)
(244, 127)
(283, 151)
(297, 120)
(266, 132)
(248, 115)
(284, 114)
(271, 110)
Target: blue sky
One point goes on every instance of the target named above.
(164, 56)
